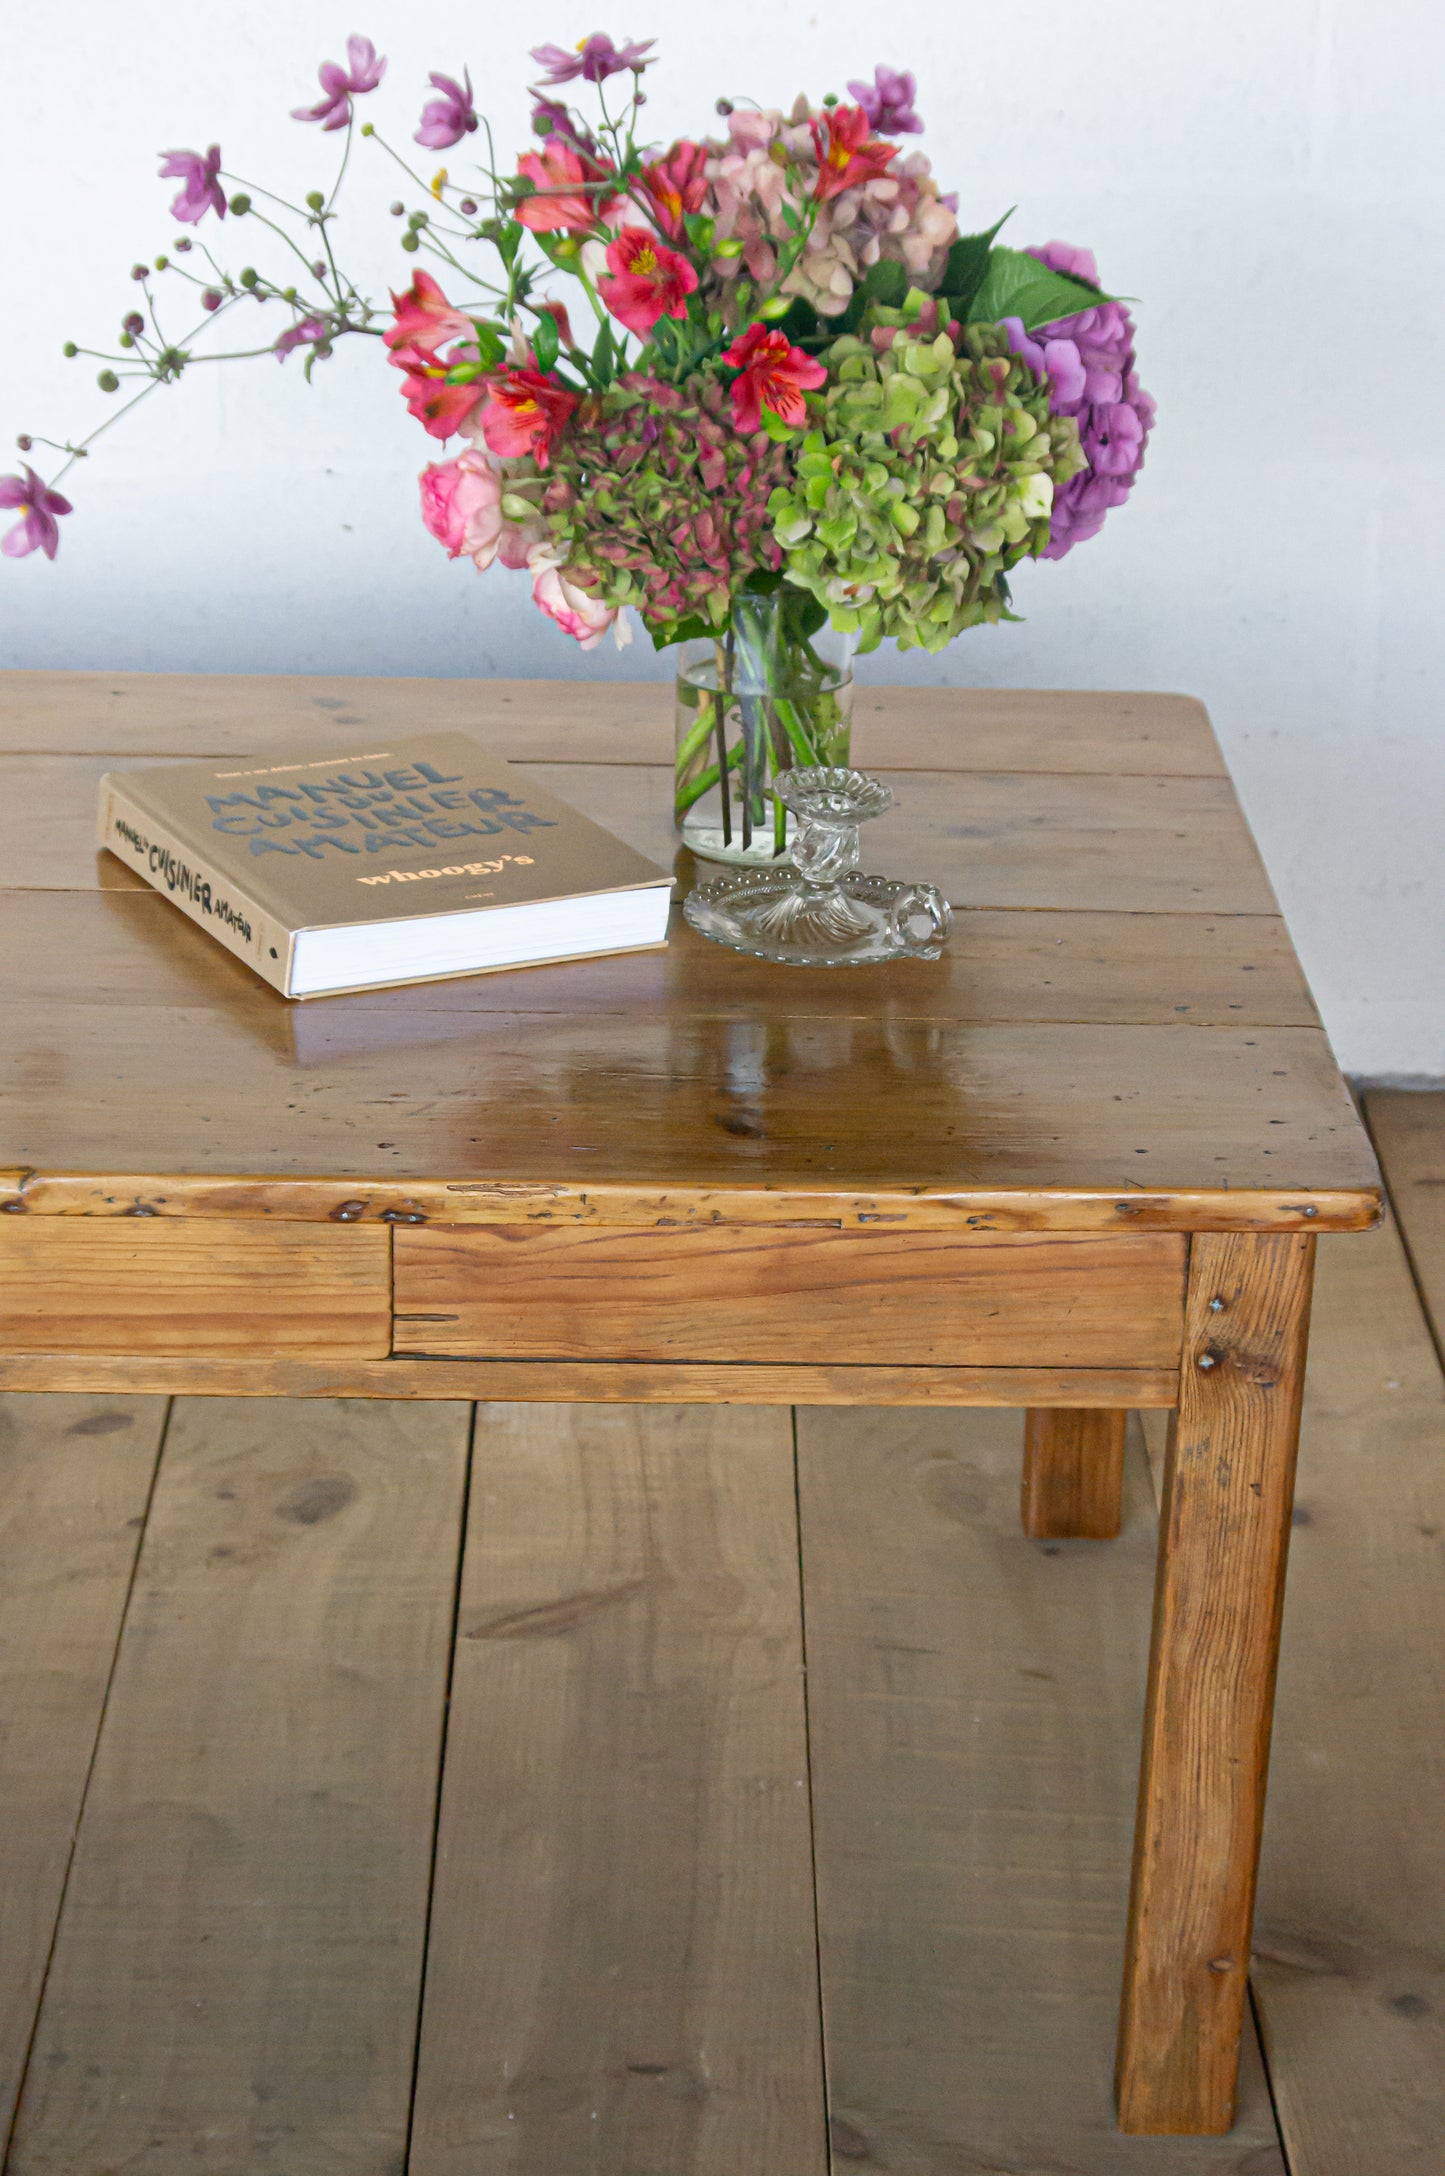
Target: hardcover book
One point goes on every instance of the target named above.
(406, 862)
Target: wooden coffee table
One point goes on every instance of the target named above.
(1077, 1165)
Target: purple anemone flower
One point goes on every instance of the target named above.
(341, 85)
(888, 102)
(201, 191)
(594, 59)
(551, 118)
(303, 334)
(1087, 362)
(446, 120)
(37, 530)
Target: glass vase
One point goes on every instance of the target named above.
(771, 692)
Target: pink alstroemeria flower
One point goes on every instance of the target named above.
(594, 59)
(646, 280)
(848, 152)
(446, 120)
(201, 191)
(525, 412)
(558, 173)
(676, 185)
(37, 530)
(342, 85)
(425, 319)
(440, 409)
(774, 375)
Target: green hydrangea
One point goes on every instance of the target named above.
(930, 473)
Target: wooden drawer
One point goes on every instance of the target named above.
(186, 1286)
(531, 1292)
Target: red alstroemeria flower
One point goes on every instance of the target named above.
(524, 414)
(677, 185)
(558, 173)
(425, 320)
(441, 409)
(848, 153)
(774, 375)
(646, 280)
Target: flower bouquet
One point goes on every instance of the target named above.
(786, 410)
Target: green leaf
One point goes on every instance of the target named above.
(966, 266)
(885, 282)
(604, 357)
(1017, 285)
(688, 630)
(490, 347)
(546, 345)
(802, 323)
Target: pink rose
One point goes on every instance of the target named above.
(577, 612)
(461, 504)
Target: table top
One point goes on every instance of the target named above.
(1118, 1035)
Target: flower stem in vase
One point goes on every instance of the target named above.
(724, 703)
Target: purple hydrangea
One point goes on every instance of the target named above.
(888, 101)
(1088, 361)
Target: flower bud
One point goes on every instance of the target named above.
(468, 207)
(410, 244)
(126, 341)
(417, 219)
(211, 299)
(315, 199)
(108, 381)
(724, 107)
(140, 271)
(240, 204)
(161, 263)
(367, 129)
(396, 209)
(830, 98)
(250, 277)
(133, 323)
(70, 351)
(25, 441)
(182, 245)
(288, 294)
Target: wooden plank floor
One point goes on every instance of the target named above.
(609, 1792)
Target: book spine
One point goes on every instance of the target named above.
(189, 881)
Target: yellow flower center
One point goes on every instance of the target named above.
(438, 183)
(645, 261)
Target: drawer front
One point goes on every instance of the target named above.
(1024, 1299)
(186, 1286)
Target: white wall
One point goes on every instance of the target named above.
(1263, 173)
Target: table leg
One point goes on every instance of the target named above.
(1223, 1537)
(1073, 1472)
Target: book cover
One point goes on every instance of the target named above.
(270, 852)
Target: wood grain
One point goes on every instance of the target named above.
(142, 715)
(237, 1973)
(573, 1381)
(1349, 1947)
(654, 1106)
(121, 1285)
(999, 839)
(974, 1708)
(75, 1474)
(1073, 1476)
(536, 1291)
(1409, 1131)
(1224, 1534)
(626, 1979)
(123, 948)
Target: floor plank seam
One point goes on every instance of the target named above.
(7, 2145)
(441, 1775)
(812, 1823)
(1257, 2023)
